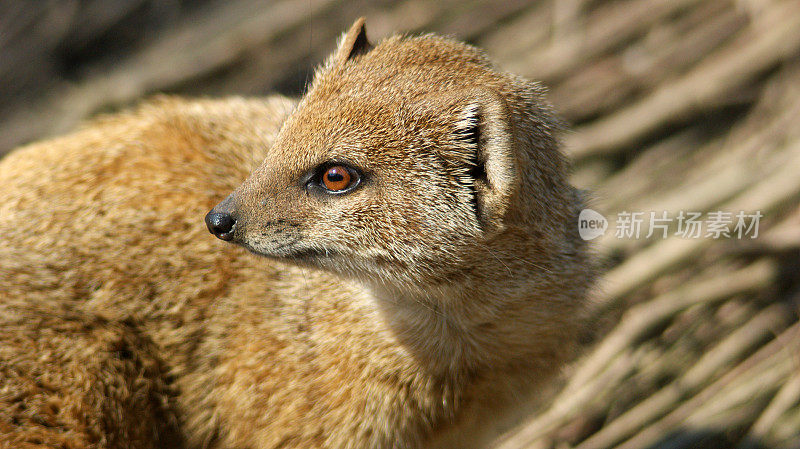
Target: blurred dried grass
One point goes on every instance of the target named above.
(676, 105)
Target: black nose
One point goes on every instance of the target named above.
(220, 224)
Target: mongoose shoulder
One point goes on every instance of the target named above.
(421, 270)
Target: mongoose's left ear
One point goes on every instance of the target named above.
(353, 42)
(484, 134)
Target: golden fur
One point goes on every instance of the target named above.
(410, 312)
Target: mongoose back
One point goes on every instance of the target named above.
(420, 272)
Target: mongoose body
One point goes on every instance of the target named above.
(421, 269)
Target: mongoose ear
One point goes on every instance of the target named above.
(352, 43)
(484, 132)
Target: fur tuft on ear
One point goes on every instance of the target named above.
(352, 43)
(483, 132)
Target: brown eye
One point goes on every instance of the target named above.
(337, 178)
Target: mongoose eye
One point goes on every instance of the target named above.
(339, 178)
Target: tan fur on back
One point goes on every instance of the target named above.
(413, 312)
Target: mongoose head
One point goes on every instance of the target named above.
(409, 162)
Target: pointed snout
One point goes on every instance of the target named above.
(221, 221)
(221, 225)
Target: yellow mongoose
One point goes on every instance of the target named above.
(423, 269)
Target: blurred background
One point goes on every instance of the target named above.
(674, 105)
